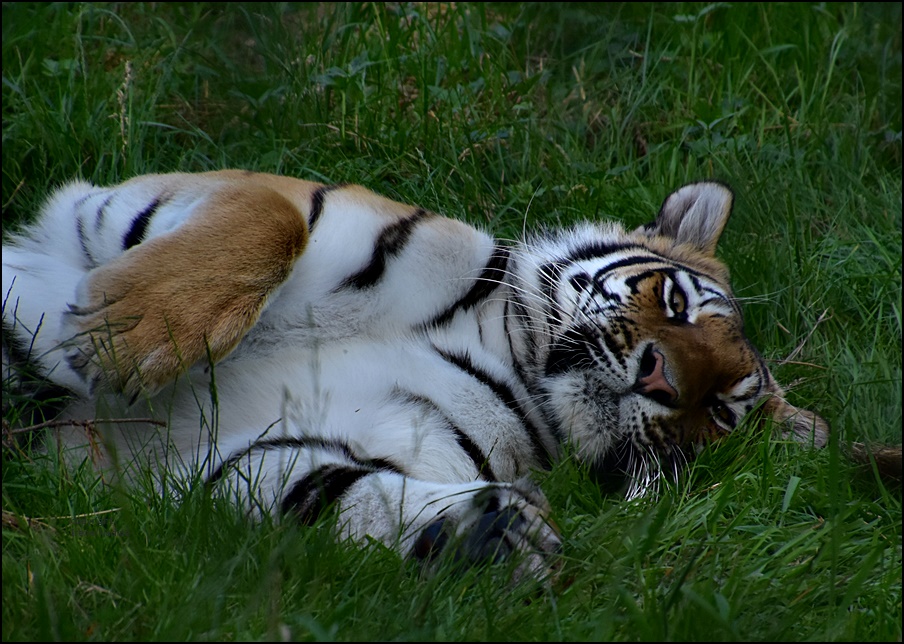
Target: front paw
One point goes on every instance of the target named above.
(506, 522)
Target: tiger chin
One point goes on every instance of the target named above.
(315, 346)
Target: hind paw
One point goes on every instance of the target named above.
(143, 319)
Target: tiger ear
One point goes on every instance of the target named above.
(695, 214)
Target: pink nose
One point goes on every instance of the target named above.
(651, 381)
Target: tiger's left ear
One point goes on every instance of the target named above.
(695, 214)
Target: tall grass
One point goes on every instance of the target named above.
(510, 116)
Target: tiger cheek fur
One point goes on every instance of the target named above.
(374, 359)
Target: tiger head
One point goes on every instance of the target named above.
(634, 344)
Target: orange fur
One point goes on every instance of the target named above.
(164, 304)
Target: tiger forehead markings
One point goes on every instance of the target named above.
(406, 368)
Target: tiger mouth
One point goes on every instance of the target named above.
(635, 471)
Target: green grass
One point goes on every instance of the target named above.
(508, 116)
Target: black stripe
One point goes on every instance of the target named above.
(531, 351)
(615, 347)
(320, 489)
(721, 295)
(600, 249)
(139, 226)
(487, 282)
(390, 243)
(81, 200)
(695, 282)
(550, 275)
(317, 203)
(631, 282)
(481, 460)
(626, 329)
(571, 351)
(102, 213)
(507, 396)
(521, 371)
(304, 442)
(83, 242)
(627, 261)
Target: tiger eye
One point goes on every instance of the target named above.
(678, 302)
(721, 412)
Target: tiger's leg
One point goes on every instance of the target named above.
(186, 295)
(474, 522)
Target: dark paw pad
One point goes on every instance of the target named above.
(431, 542)
(490, 540)
(487, 541)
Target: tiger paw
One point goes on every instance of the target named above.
(503, 523)
(185, 296)
(137, 328)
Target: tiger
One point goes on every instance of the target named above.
(318, 347)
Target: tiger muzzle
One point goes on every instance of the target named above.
(651, 381)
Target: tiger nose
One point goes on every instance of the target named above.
(651, 380)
